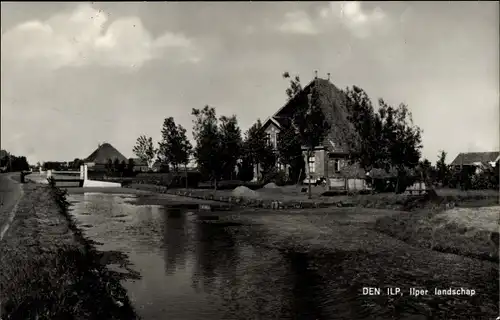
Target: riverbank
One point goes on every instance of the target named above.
(471, 232)
(463, 223)
(292, 198)
(48, 270)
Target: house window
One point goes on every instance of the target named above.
(268, 138)
(273, 140)
(336, 165)
(312, 164)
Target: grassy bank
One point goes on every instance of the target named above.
(291, 197)
(48, 270)
(471, 232)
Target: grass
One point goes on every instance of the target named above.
(48, 270)
(471, 232)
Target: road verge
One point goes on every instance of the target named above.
(49, 270)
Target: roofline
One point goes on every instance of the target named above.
(295, 95)
(273, 121)
(464, 153)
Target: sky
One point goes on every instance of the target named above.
(74, 75)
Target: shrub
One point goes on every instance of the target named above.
(274, 175)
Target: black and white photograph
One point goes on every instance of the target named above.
(203, 160)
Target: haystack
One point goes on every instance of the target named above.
(105, 152)
(245, 192)
(271, 185)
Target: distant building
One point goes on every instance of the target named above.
(478, 160)
(100, 157)
(139, 165)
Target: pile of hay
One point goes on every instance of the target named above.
(245, 192)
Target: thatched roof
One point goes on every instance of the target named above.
(333, 103)
(105, 152)
(471, 158)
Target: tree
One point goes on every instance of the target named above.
(145, 150)
(116, 165)
(208, 143)
(401, 140)
(231, 144)
(130, 166)
(295, 85)
(122, 167)
(308, 119)
(385, 139)
(426, 172)
(290, 152)
(174, 147)
(109, 166)
(245, 167)
(258, 150)
(77, 163)
(442, 169)
(13, 163)
(365, 139)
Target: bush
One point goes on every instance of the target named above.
(281, 178)
(274, 175)
(484, 180)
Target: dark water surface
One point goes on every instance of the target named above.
(190, 270)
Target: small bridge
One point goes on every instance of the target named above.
(80, 179)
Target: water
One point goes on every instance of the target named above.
(190, 270)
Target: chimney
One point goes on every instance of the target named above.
(316, 74)
(328, 74)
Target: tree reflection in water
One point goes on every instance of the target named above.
(175, 238)
(216, 257)
(305, 292)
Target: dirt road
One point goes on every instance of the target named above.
(10, 193)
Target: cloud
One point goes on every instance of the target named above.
(298, 22)
(350, 13)
(86, 36)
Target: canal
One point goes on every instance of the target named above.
(295, 265)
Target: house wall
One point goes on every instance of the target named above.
(320, 164)
(273, 131)
(331, 170)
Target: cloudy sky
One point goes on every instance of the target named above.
(76, 74)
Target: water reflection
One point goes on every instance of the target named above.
(175, 239)
(306, 293)
(192, 270)
(216, 257)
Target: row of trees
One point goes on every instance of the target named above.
(12, 163)
(220, 150)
